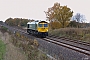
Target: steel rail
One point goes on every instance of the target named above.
(71, 40)
(81, 50)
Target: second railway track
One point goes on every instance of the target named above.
(71, 40)
(76, 48)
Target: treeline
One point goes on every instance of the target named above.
(72, 24)
(78, 24)
(54, 25)
(17, 22)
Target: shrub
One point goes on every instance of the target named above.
(3, 29)
(2, 50)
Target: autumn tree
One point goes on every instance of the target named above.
(61, 14)
(55, 25)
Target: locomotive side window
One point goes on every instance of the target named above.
(28, 26)
(45, 25)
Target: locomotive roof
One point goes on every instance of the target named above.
(36, 22)
(33, 22)
(42, 22)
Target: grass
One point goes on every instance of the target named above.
(2, 49)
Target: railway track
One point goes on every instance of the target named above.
(71, 40)
(76, 48)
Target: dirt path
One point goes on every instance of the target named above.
(12, 52)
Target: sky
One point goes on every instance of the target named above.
(34, 9)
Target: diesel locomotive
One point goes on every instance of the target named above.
(39, 28)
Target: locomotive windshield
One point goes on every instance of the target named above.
(40, 25)
(45, 25)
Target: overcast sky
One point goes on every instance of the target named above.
(34, 9)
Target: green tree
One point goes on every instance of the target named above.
(62, 14)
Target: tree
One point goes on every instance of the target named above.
(73, 24)
(55, 25)
(79, 18)
(62, 14)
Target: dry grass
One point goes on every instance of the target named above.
(74, 33)
(29, 46)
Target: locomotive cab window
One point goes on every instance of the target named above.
(45, 25)
(40, 25)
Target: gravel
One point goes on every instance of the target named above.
(59, 52)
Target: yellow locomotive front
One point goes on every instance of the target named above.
(43, 28)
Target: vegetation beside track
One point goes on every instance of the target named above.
(29, 46)
(73, 33)
(2, 49)
(2, 45)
